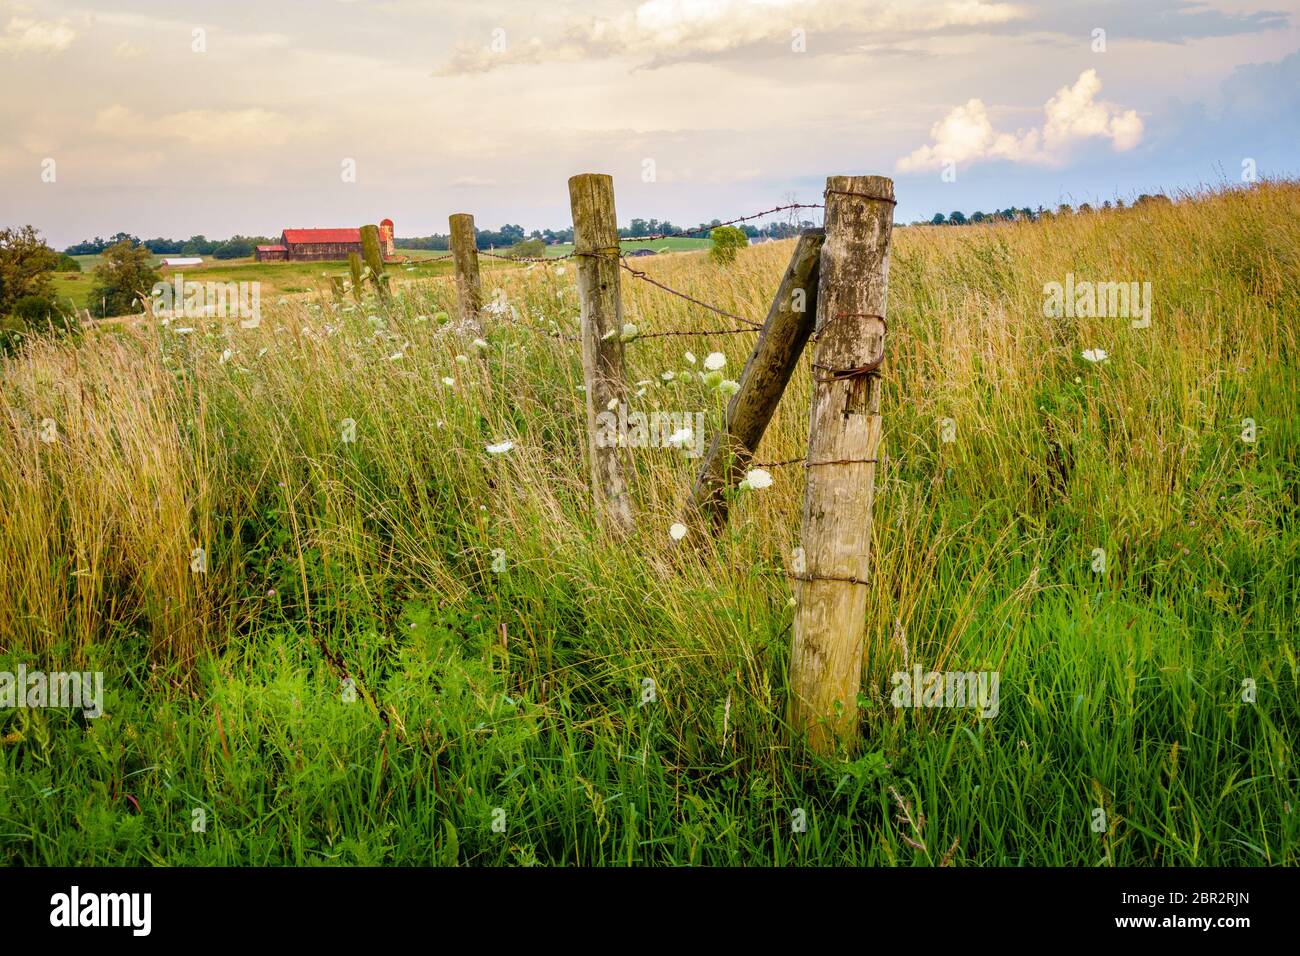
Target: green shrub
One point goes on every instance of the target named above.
(727, 241)
(529, 248)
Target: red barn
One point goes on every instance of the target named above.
(308, 245)
(303, 245)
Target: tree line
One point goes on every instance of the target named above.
(958, 218)
(236, 247)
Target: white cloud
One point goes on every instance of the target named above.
(691, 29)
(1073, 114)
(25, 35)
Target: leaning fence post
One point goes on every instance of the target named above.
(595, 245)
(843, 438)
(464, 251)
(789, 323)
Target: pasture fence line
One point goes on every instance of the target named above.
(832, 295)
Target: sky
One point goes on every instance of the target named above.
(175, 118)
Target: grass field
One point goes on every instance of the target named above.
(500, 648)
(276, 278)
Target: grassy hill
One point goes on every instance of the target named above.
(403, 641)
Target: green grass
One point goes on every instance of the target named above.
(523, 691)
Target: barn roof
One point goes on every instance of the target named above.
(296, 236)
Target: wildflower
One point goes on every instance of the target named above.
(448, 380)
(480, 344)
(667, 376)
(500, 448)
(712, 379)
(630, 332)
(462, 359)
(422, 318)
(498, 560)
(680, 437)
(715, 361)
(677, 531)
(757, 479)
(729, 387)
(1095, 355)
(690, 357)
(225, 356)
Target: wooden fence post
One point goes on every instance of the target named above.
(595, 244)
(469, 290)
(354, 270)
(370, 249)
(789, 322)
(843, 438)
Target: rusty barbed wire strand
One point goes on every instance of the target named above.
(751, 325)
(730, 222)
(651, 238)
(682, 295)
(660, 335)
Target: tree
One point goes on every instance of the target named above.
(956, 219)
(938, 219)
(727, 241)
(25, 266)
(122, 279)
(529, 248)
(67, 264)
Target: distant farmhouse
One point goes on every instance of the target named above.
(180, 261)
(314, 245)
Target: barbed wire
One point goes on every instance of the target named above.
(680, 234)
(689, 298)
(750, 324)
(730, 222)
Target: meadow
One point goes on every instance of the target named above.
(407, 649)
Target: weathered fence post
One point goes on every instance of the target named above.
(464, 251)
(843, 438)
(595, 245)
(354, 270)
(370, 248)
(789, 323)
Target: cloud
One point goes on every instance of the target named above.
(25, 35)
(666, 31)
(1072, 115)
(1160, 21)
(204, 128)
